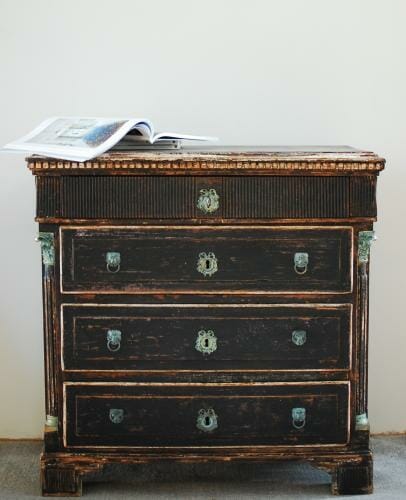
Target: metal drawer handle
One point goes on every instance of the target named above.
(208, 201)
(116, 415)
(113, 261)
(298, 418)
(207, 263)
(206, 420)
(301, 261)
(299, 337)
(206, 342)
(113, 340)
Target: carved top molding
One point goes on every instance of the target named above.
(221, 159)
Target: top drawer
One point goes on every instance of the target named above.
(209, 198)
(206, 259)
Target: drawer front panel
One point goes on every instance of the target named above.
(206, 337)
(294, 414)
(177, 197)
(212, 260)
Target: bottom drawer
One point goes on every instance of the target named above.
(132, 415)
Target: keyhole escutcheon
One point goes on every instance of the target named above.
(206, 341)
(207, 264)
(207, 420)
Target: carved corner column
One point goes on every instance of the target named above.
(365, 239)
(47, 242)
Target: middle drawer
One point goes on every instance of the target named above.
(206, 337)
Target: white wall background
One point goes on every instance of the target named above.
(257, 72)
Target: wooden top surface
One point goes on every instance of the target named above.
(224, 158)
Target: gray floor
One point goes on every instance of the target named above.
(19, 478)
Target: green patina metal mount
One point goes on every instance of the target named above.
(116, 415)
(208, 201)
(206, 341)
(299, 337)
(207, 263)
(365, 239)
(51, 422)
(362, 422)
(301, 260)
(113, 261)
(46, 241)
(113, 340)
(298, 417)
(207, 420)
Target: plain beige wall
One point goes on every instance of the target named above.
(257, 72)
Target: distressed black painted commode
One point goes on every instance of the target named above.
(207, 305)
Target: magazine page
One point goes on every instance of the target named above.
(78, 139)
(187, 137)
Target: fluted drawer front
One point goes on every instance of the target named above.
(207, 337)
(206, 259)
(177, 197)
(106, 415)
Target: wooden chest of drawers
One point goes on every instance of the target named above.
(206, 305)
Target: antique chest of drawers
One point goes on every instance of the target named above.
(206, 305)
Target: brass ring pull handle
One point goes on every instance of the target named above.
(207, 263)
(206, 420)
(301, 261)
(113, 261)
(206, 342)
(116, 415)
(298, 418)
(113, 340)
(208, 201)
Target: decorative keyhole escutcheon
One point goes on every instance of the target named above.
(301, 262)
(206, 420)
(206, 342)
(116, 415)
(113, 340)
(113, 261)
(207, 263)
(208, 201)
(298, 418)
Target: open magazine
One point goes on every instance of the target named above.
(80, 139)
